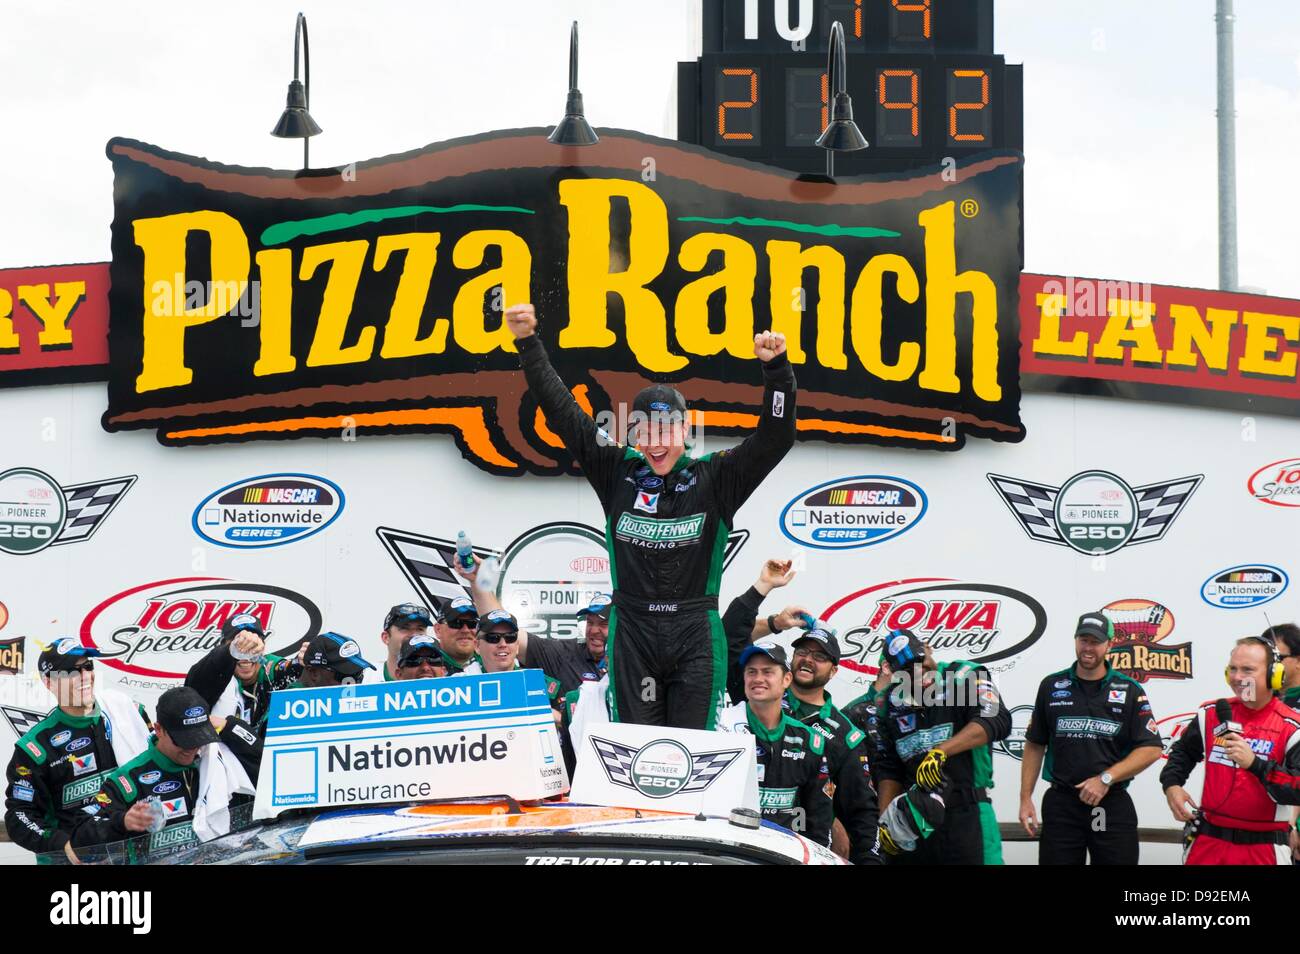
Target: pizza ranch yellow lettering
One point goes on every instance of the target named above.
(52, 312)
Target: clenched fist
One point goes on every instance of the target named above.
(768, 344)
(521, 320)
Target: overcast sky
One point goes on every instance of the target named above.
(1119, 108)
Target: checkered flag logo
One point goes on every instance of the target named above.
(426, 562)
(708, 766)
(89, 505)
(21, 721)
(617, 759)
(1034, 505)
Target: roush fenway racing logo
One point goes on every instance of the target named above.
(982, 622)
(160, 629)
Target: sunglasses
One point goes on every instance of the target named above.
(87, 666)
(418, 661)
(495, 638)
(816, 655)
(463, 624)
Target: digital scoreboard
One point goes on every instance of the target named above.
(923, 76)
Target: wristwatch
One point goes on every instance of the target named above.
(771, 623)
(1107, 779)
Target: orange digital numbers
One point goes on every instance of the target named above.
(922, 8)
(974, 109)
(733, 135)
(913, 100)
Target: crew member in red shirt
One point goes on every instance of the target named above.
(1252, 766)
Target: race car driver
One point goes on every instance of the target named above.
(668, 515)
(420, 658)
(793, 785)
(848, 755)
(1252, 766)
(401, 623)
(237, 676)
(57, 766)
(197, 768)
(936, 727)
(1098, 727)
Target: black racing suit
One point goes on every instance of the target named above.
(666, 538)
(53, 776)
(848, 758)
(152, 774)
(863, 712)
(909, 730)
(793, 785)
(210, 676)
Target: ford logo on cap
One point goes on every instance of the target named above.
(194, 711)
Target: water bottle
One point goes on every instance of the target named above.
(489, 573)
(159, 820)
(810, 624)
(464, 551)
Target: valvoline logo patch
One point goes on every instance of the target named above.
(268, 511)
(853, 512)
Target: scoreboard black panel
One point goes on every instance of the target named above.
(924, 80)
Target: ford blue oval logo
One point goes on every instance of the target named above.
(853, 512)
(1061, 694)
(268, 511)
(76, 745)
(1244, 586)
(165, 787)
(194, 711)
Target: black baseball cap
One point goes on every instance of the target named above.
(498, 621)
(408, 613)
(903, 649)
(1097, 625)
(421, 644)
(769, 649)
(599, 606)
(659, 401)
(461, 609)
(335, 652)
(827, 640)
(185, 716)
(241, 623)
(64, 655)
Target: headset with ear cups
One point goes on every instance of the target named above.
(1276, 672)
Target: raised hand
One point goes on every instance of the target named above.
(767, 345)
(521, 320)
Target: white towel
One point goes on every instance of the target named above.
(592, 708)
(129, 732)
(229, 703)
(220, 776)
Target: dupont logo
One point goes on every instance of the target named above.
(268, 511)
(1277, 483)
(853, 512)
(590, 565)
(1240, 587)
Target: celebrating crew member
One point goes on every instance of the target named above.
(936, 727)
(742, 627)
(420, 658)
(1252, 766)
(457, 629)
(404, 621)
(237, 676)
(498, 651)
(1098, 727)
(56, 767)
(571, 661)
(848, 755)
(668, 515)
(330, 659)
(184, 784)
(793, 789)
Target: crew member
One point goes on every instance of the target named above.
(330, 659)
(237, 676)
(498, 651)
(1096, 725)
(793, 786)
(197, 769)
(669, 515)
(420, 658)
(457, 629)
(741, 624)
(1252, 766)
(404, 621)
(863, 712)
(57, 766)
(936, 729)
(848, 755)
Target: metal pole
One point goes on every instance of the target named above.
(1227, 116)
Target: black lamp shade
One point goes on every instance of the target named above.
(842, 133)
(573, 129)
(295, 122)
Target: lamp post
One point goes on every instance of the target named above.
(296, 122)
(841, 133)
(573, 129)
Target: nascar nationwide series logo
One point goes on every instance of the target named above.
(1014, 744)
(35, 512)
(1095, 512)
(853, 512)
(1240, 587)
(982, 622)
(268, 511)
(1277, 483)
(548, 572)
(160, 629)
(1137, 651)
(661, 768)
(1171, 729)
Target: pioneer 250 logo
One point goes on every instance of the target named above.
(268, 511)
(981, 622)
(1138, 651)
(35, 512)
(853, 512)
(548, 572)
(161, 629)
(661, 768)
(1095, 511)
